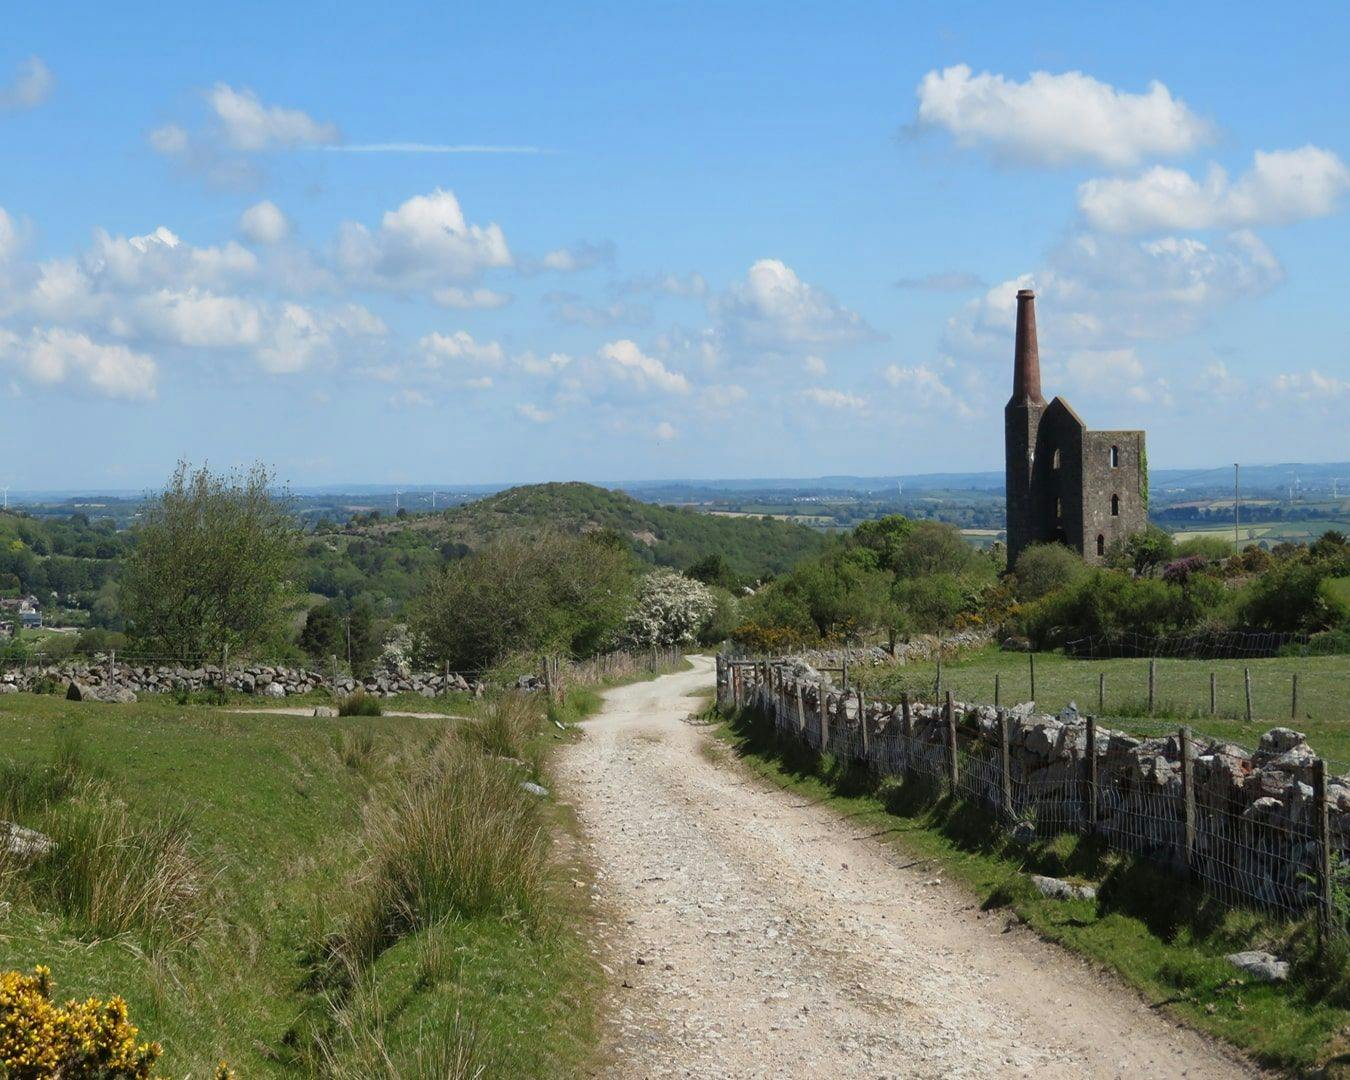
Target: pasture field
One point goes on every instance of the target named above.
(1181, 692)
(243, 849)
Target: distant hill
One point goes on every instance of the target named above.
(665, 535)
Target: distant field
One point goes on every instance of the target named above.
(1182, 691)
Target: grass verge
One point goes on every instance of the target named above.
(1164, 939)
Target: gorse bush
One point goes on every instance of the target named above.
(82, 1040)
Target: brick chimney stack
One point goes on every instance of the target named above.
(1026, 356)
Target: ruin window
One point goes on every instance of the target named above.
(1059, 508)
(1115, 506)
(1115, 457)
(1055, 463)
(1101, 545)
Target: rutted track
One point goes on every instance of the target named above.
(758, 935)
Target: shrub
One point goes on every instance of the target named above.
(1213, 548)
(1293, 596)
(1104, 603)
(1043, 568)
(670, 610)
(359, 703)
(89, 1038)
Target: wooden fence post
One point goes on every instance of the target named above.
(996, 689)
(1091, 763)
(937, 682)
(1293, 698)
(1031, 663)
(906, 725)
(1005, 766)
(862, 721)
(112, 666)
(1152, 680)
(824, 719)
(1188, 799)
(845, 671)
(548, 677)
(801, 709)
(1247, 683)
(954, 769)
(1101, 691)
(1322, 829)
(1213, 693)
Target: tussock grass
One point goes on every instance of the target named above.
(509, 723)
(460, 840)
(359, 703)
(356, 749)
(118, 875)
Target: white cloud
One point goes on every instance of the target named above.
(1107, 374)
(264, 223)
(9, 237)
(814, 365)
(1311, 385)
(424, 241)
(452, 296)
(1105, 292)
(543, 365)
(410, 398)
(774, 308)
(1058, 119)
(534, 413)
(193, 317)
(32, 85)
(583, 255)
(56, 356)
(664, 431)
(460, 346)
(723, 396)
(482, 382)
(688, 285)
(1281, 187)
(171, 140)
(833, 399)
(299, 338)
(923, 386)
(249, 125)
(628, 362)
(162, 258)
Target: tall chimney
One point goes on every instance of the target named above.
(1027, 357)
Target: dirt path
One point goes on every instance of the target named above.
(758, 935)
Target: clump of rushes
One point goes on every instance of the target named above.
(359, 703)
(508, 722)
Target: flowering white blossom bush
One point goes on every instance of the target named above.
(670, 610)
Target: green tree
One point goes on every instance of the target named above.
(342, 629)
(212, 566)
(552, 592)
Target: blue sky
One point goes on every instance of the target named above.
(671, 241)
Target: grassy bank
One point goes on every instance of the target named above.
(364, 896)
(1164, 939)
(1181, 690)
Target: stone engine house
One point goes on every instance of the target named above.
(1065, 483)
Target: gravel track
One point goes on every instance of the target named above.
(754, 934)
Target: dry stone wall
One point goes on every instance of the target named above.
(1262, 826)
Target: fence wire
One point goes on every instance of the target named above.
(1263, 829)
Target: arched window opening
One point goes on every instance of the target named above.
(1115, 457)
(1059, 508)
(1101, 545)
(1115, 506)
(1055, 462)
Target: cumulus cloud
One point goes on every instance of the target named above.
(249, 125)
(410, 398)
(1106, 292)
(814, 365)
(925, 387)
(773, 308)
(9, 237)
(534, 413)
(194, 318)
(664, 431)
(1058, 119)
(56, 356)
(460, 299)
(264, 223)
(722, 396)
(299, 338)
(583, 255)
(32, 84)
(424, 241)
(460, 347)
(1281, 187)
(833, 399)
(1109, 374)
(630, 364)
(1311, 385)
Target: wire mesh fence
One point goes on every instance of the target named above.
(1266, 828)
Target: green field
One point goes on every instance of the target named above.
(274, 810)
(1181, 691)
